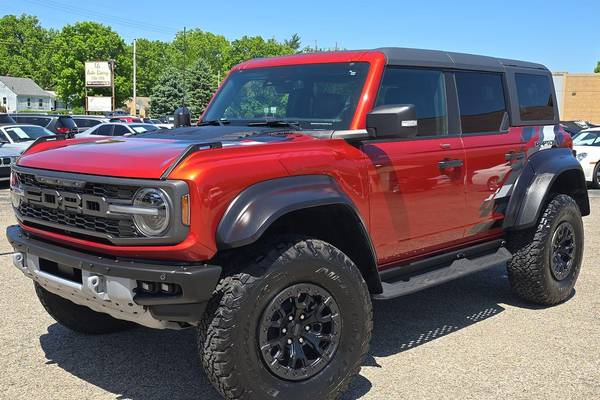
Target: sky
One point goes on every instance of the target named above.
(563, 35)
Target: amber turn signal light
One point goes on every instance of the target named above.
(185, 210)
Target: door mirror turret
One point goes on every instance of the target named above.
(395, 120)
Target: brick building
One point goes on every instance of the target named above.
(578, 96)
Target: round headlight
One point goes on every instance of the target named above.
(156, 221)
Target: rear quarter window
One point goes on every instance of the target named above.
(40, 121)
(535, 97)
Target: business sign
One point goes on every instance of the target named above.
(99, 103)
(97, 74)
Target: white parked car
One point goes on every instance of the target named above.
(118, 129)
(20, 136)
(587, 145)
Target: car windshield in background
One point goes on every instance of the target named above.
(322, 96)
(26, 133)
(143, 128)
(587, 139)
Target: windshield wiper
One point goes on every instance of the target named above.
(216, 122)
(276, 123)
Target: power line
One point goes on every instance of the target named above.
(114, 19)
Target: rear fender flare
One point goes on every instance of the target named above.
(531, 191)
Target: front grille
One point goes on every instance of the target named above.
(121, 228)
(120, 192)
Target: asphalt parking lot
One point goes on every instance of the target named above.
(469, 339)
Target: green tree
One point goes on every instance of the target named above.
(200, 87)
(248, 47)
(88, 41)
(185, 50)
(152, 58)
(167, 94)
(597, 69)
(24, 48)
(293, 42)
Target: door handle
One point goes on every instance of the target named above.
(446, 164)
(514, 155)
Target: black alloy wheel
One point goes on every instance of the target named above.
(299, 332)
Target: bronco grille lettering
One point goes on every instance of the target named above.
(66, 201)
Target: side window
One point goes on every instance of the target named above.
(120, 130)
(104, 130)
(423, 88)
(481, 101)
(535, 97)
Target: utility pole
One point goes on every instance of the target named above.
(134, 79)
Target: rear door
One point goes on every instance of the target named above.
(494, 152)
(417, 184)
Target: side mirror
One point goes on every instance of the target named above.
(397, 120)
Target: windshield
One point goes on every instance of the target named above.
(587, 139)
(317, 96)
(26, 133)
(143, 128)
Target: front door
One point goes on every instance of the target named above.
(417, 184)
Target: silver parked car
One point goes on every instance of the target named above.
(118, 129)
(21, 136)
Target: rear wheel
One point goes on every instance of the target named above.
(547, 259)
(295, 324)
(79, 318)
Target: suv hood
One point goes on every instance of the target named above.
(144, 156)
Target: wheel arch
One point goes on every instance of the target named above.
(312, 205)
(546, 172)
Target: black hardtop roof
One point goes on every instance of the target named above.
(436, 58)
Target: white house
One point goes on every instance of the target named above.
(18, 94)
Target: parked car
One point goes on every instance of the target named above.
(158, 123)
(6, 119)
(59, 124)
(8, 156)
(587, 147)
(574, 127)
(313, 185)
(127, 118)
(20, 136)
(118, 129)
(85, 122)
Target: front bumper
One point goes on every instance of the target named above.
(109, 285)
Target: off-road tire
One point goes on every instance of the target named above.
(228, 335)
(79, 318)
(595, 179)
(529, 271)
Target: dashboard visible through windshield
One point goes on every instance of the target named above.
(315, 96)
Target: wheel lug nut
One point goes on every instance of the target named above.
(283, 330)
(302, 316)
(307, 328)
(290, 318)
(289, 341)
(301, 340)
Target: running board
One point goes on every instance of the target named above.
(456, 269)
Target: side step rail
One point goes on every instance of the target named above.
(457, 269)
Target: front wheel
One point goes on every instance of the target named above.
(294, 325)
(547, 259)
(596, 177)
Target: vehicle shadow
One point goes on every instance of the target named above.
(148, 364)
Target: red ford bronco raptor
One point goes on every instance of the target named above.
(311, 185)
